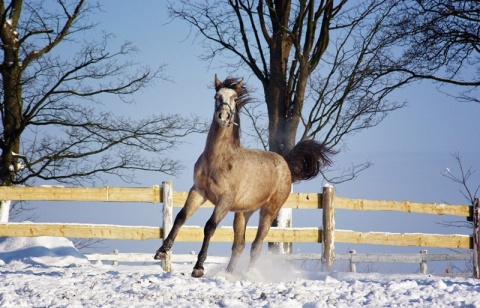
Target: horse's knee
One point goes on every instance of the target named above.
(181, 217)
(210, 227)
(255, 250)
(238, 247)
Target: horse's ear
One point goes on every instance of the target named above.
(239, 85)
(218, 83)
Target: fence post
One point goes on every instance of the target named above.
(353, 265)
(167, 221)
(423, 263)
(115, 252)
(328, 228)
(476, 238)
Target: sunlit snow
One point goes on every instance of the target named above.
(50, 272)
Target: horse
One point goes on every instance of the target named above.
(241, 180)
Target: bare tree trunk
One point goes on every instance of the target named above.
(282, 122)
(12, 116)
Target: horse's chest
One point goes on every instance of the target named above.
(216, 169)
(214, 180)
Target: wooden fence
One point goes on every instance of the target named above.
(326, 201)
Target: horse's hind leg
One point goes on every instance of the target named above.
(194, 200)
(266, 217)
(239, 224)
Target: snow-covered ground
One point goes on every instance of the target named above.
(50, 272)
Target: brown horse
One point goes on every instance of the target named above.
(240, 180)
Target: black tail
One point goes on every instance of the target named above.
(307, 158)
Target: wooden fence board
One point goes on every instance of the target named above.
(402, 206)
(91, 194)
(186, 234)
(405, 239)
(81, 231)
(295, 200)
(304, 201)
(385, 258)
(121, 257)
(154, 195)
(403, 258)
(225, 234)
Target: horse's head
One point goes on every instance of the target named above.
(226, 101)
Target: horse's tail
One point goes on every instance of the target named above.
(307, 158)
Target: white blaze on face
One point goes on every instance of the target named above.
(224, 114)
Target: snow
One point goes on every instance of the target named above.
(49, 271)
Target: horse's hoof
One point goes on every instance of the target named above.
(159, 255)
(197, 272)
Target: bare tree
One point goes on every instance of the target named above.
(320, 63)
(54, 125)
(441, 42)
(462, 178)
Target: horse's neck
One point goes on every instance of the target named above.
(220, 141)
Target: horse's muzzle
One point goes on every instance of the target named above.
(224, 118)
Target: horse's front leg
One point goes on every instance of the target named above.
(218, 214)
(239, 225)
(194, 200)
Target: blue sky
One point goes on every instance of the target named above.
(410, 149)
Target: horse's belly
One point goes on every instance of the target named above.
(247, 207)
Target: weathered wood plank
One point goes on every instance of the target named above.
(225, 234)
(358, 258)
(304, 201)
(295, 200)
(147, 257)
(403, 258)
(385, 258)
(154, 195)
(80, 231)
(121, 257)
(402, 206)
(103, 194)
(448, 256)
(404, 239)
(186, 234)
(328, 233)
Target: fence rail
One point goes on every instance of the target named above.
(327, 235)
(353, 258)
